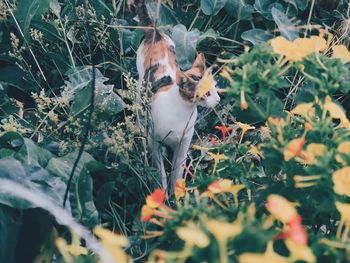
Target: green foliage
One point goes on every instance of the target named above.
(46, 52)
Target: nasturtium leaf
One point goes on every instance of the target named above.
(212, 7)
(210, 33)
(256, 36)
(185, 42)
(285, 25)
(239, 9)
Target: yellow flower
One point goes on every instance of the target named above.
(299, 48)
(217, 158)
(344, 211)
(113, 243)
(344, 147)
(110, 238)
(180, 189)
(200, 148)
(270, 256)
(256, 151)
(341, 181)
(282, 46)
(341, 52)
(74, 249)
(281, 208)
(192, 235)
(293, 148)
(220, 186)
(335, 111)
(304, 109)
(245, 128)
(300, 252)
(205, 84)
(222, 230)
(312, 151)
(226, 74)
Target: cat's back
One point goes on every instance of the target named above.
(156, 58)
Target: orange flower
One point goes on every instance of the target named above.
(244, 104)
(180, 189)
(293, 148)
(220, 186)
(156, 199)
(224, 130)
(146, 213)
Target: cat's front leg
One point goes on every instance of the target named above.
(158, 161)
(179, 159)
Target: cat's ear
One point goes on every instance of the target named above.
(199, 62)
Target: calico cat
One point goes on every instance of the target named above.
(174, 102)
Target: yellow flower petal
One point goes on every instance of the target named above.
(300, 252)
(344, 210)
(335, 111)
(193, 235)
(312, 151)
(341, 52)
(304, 109)
(205, 84)
(110, 238)
(344, 147)
(223, 230)
(341, 181)
(180, 189)
(281, 208)
(77, 250)
(293, 148)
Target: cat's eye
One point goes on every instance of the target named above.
(195, 78)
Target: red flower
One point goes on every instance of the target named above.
(224, 130)
(155, 199)
(295, 231)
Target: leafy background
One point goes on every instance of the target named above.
(46, 51)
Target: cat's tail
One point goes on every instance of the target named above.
(146, 20)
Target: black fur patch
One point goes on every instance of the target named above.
(164, 81)
(172, 51)
(150, 72)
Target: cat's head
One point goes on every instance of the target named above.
(193, 76)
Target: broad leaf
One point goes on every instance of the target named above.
(31, 154)
(26, 10)
(80, 194)
(256, 36)
(11, 140)
(239, 9)
(285, 25)
(80, 84)
(185, 42)
(34, 178)
(212, 7)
